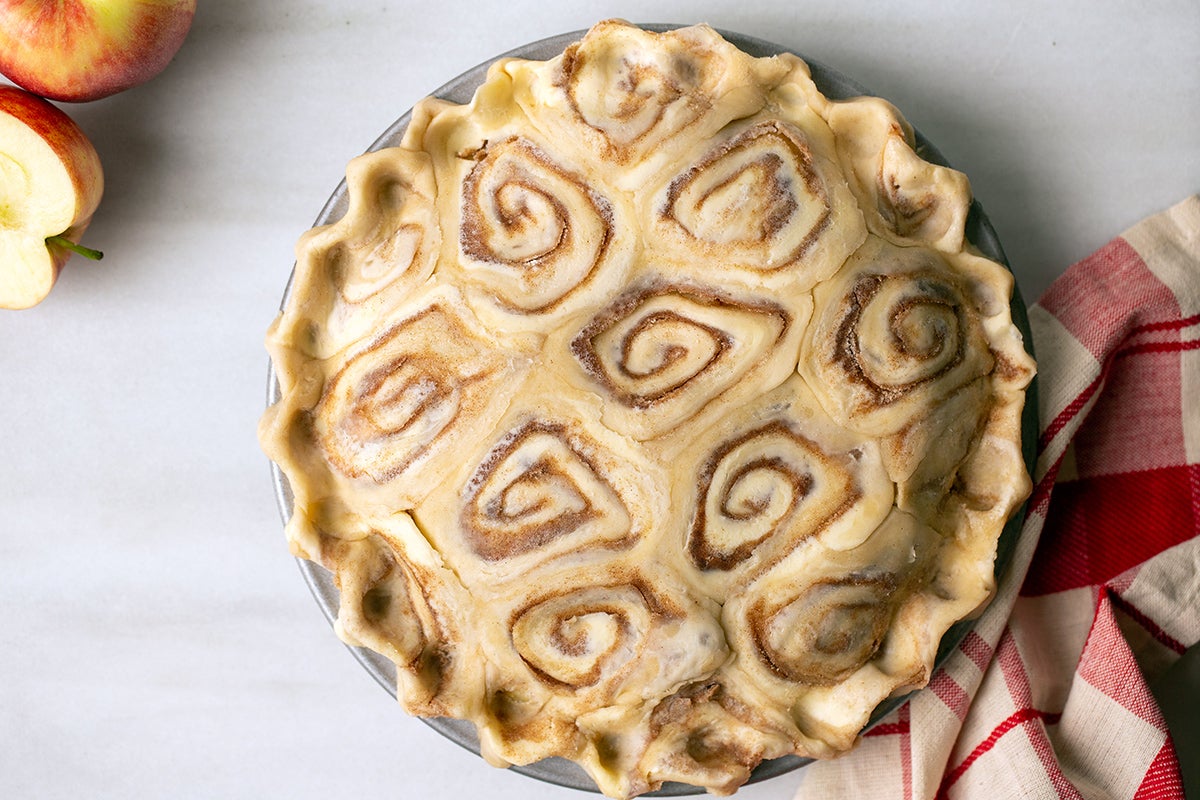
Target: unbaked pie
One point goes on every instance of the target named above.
(651, 410)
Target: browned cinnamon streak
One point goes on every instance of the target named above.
(583, 345)
(493, 534)
(847, 351)
(843, 627)
(570, 647)
(904, 213)
(633, 77)
(672, 352)
(473, 232)
(677, 708)
(770, 168)
(426, 377)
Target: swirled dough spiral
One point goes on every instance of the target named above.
(899, 331)
(661, 353)
(650, 410)
(578, 652)
(537, 485)
(624, 96)
(404, 396)
(818, 628)
(549, 484)
(575, 640)
(768, 477)
(766, 205)
(757, 200)
(538, 229)
(531, 233)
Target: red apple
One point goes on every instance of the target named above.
(78, 50)
(50, 185)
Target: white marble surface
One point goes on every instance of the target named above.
(157, 639)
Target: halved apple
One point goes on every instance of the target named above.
(50, 185)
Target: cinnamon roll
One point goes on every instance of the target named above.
(899, 331)
(767, 206)
(826, 633)
(531, 231)
(549, 484)
(771, 475)
(650, 410)
(595, 637)
(399, 404)
(537, 485)
(663, 353)
(631, 99)
(818, 629)
(579, 651)
(578, 639)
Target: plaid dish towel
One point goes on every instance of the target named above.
(1049, 695)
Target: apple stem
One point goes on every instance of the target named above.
(74, 247)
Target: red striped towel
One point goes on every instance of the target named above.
(1049, 695)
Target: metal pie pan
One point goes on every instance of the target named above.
(560, 771)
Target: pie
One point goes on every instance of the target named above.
(651, 410)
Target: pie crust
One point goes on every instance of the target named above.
(651, 410)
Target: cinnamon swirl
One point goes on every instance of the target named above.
(663, 353)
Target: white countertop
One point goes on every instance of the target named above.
(158, 641)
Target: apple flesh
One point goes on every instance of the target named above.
(50, 185)
(80, 50)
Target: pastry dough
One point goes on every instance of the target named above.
(651, 410)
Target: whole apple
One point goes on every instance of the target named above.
(79, 50)
(50, 185)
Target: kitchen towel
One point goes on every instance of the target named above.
(1049, 695)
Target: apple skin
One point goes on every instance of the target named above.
(81, 50)
(75, 153)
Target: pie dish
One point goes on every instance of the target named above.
(652, 410)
